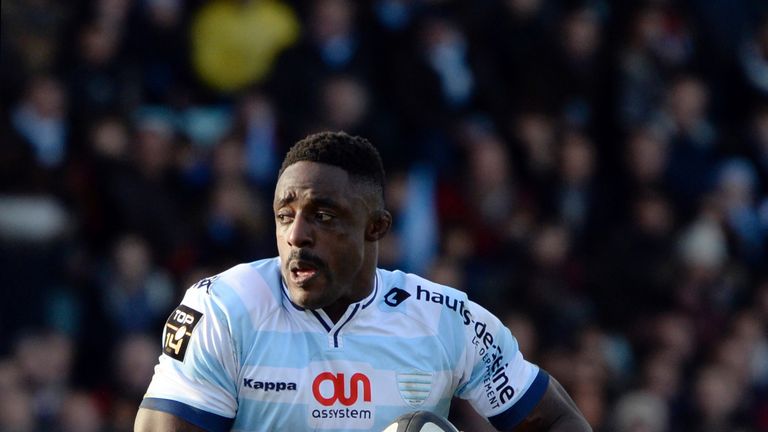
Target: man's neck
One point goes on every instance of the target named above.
(336, 310)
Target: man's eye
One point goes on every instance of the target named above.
(284, 218)
(323, 217)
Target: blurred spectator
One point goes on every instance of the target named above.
(515, 39)
(717, 398)
(16, 412)
(659, 41)
(706, 289)
(489, 186)
(525, 332)
(661, 376)
(136, 294)
(576, 196)
(33, 29)
(647, 155)
(581, 59)
(159, 45)
(551, 292)
(535, 135)
(228, 162)
(345, 103)
(640, 412)
(258, 123)
(147, 192)
(45, 363)
(754, 61)
(416, 227)
(757, 145)
(40, 118)
(16, 408)
(331, 44)
(736, 189)
(747, 331)
(101, 77)
(79, 413)
(413, 244)
(134, 359)
(235, 227)
(634, 268)
(692, 142)
(435, 78)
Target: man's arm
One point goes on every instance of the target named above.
(148, 420)
(555, 412)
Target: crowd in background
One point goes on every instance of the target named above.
(593, 172)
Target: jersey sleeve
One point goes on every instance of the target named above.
(497, 381)
(195, 378)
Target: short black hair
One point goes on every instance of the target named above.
(354, 154)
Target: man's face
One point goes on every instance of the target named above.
(320, 225)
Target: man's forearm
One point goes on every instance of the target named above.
(157, 421)
(570, 424)
(555, 412)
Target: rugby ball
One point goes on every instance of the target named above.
(420, 421)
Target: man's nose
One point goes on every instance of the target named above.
(301, 233)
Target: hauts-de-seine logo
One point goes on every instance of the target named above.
(395, 296)
(342, 398)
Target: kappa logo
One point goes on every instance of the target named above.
(267, 386)
(395, 296)
(205, 283)
(178, 331)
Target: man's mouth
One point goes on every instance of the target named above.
(302, 271)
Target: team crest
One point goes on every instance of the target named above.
(414, 387)
(178, 331)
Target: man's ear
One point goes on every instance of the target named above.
(378, 226)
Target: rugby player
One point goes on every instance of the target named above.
(319, 338)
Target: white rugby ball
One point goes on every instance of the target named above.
(420, 421)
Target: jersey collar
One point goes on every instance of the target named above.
(362, 304)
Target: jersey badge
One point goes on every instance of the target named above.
(414, 386)
(178, 331)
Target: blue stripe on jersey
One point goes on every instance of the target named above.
(271, 351)
(208, 421)
(510, 418)
(230, 305)
(257, 416)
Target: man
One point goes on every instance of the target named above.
(320, 339)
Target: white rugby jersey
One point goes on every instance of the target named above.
(239, 355)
